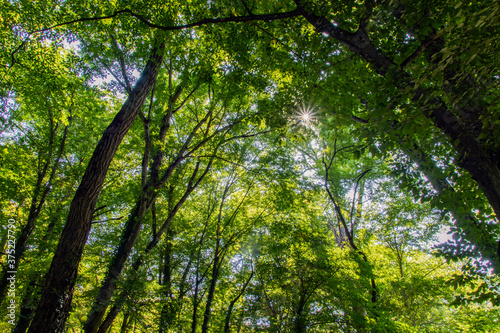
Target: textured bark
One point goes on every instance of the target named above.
(474, 157)
(57, 293)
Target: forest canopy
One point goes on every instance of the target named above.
(250, 166)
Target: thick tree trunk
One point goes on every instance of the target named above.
(57, 293)
(475, 156)
(463, 218)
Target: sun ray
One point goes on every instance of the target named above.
(305, 115)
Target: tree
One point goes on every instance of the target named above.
(349, 101)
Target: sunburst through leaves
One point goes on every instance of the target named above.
(305, 115)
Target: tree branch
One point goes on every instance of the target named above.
(119, 52)
(419, 51)
(205, 21)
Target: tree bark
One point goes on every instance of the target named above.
(57, 293)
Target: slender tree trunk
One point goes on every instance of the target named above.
(113, 313)
(134, 224)
(300, 322)
(168, 311)
(196, 301)
(227, 325)
(125, 323)
(211, 291)
(218, 257)
(128, 239)
(37, 201)
(57, 294)
(350, 232)
(31, 296)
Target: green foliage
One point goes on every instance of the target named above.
(325, 181)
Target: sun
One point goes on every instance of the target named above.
(305, 115)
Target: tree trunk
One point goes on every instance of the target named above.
(27, 309)
(463, 219)
(475, 156)
(128, 239)
(37, 201)
(125, 323)
(113, 313)
(230, 308)
(300, 322)
(57, 293)
(31, 296)
(168, 311)
(211, 292)
(218, 258)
